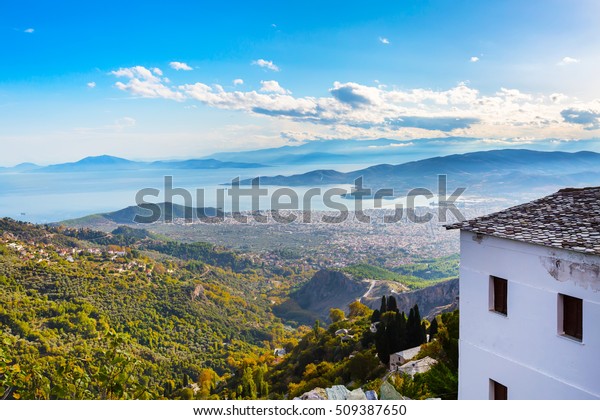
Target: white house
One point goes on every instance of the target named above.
(417, 366)
(530, 300)
(399, 358)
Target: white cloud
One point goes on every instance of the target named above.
(91, 85)
(513, 94)
(253, 102)
(474, 59)
(273, 87)
(384, 40)
(178, 65)
(265, 64)
(238, 82)
(29, 30)
(407, 144)
(567, 60)
(351, 110)
(558, 98)
(157, 71)
(142, 82)
(137, 72)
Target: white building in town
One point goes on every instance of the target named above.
(417, 366)
(530, 300)
(399, 358)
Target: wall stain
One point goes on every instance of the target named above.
(478, 237)
(582, 274)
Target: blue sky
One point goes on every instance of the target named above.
(158, 80)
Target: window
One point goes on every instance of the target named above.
(570, 321)
(498, 391)
(498, 295)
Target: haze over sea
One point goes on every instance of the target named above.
(52, 197)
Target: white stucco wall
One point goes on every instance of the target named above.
(523, 350)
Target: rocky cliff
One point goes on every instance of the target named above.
(333, 289)
(432, 300)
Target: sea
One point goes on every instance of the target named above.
(52, 197)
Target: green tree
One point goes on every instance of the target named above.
(375, 316)
(448, 336)
(392, 305)
(358, 309)
(441, 381)
(362, 365)
(383, 307)
(433, 328)
(186, 394)
(248, 385)
(336, 315)
(410, 387)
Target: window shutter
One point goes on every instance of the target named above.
(572, 317)
(579, 319)
(500, 391)
(500, 295)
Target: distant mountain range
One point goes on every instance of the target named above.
(507, 172)
(105, 162)
(370, 152)
(485, 173)
(336, 152)
(314, 152)
(319, 153)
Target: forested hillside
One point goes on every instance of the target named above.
(81, 319)
(354, 350)
(128, 314)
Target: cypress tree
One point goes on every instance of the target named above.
(392, 305)
(382, 345)
(383, 308)
(376, 316)
(423, 335)
(433, 328)
(402, 331)
(185, 381)
(420, 330)
(412, 329)
(393, 333)
(168, 389)
(417, 314)
(316, 328)
(248, 384)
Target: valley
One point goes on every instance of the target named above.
(244, 305)
(178, 313)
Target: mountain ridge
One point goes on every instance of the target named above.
(505, 169)
(128, 214)
(108, 162)
(333, 151)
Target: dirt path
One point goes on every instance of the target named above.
(366, 295)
